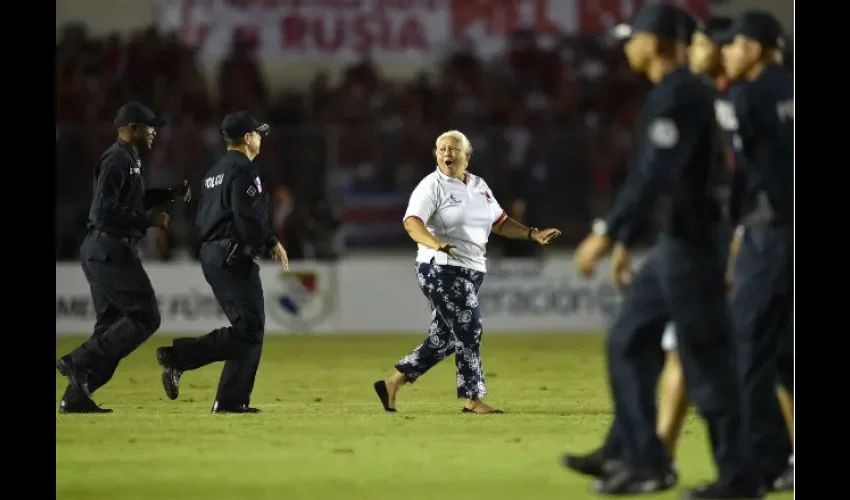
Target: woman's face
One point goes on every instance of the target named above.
(451, 157)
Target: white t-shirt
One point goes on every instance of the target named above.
(456, 213)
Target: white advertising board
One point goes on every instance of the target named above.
(382, 295)
(364, 295)
(301, 302)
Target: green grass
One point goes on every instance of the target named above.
(323, 435)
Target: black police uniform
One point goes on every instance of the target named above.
(234, 227)
(682, 280)
(763, 193)
(124, 300)
(768, 435)
(613, 446)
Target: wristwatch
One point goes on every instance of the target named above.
(531, 230)
(599, 227)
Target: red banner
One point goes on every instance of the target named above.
(392, 30)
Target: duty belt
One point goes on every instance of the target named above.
(130, 240)
(234, 249)
(764, 214)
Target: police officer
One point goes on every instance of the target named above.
(683, 277)
(124, 300)
(234, 227)
(704, 61)
(762, 202)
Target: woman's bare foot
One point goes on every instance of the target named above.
(388, 389)
(394, 384)
(478, 406)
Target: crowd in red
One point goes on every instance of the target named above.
(551, 129)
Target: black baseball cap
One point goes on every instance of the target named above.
(137, 113)
(662, 20)
(717, 30)
(760, 26)
(240, 123)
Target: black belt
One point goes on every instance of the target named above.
(130, 240)
(765, 215)
(234, 249)
(220, 241)
(758, 218)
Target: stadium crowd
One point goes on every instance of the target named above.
(551, 129)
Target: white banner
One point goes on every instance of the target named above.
(382, 295)
(387, 30)
(364, 295)
(301, 302)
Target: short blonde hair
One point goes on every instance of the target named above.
(455, 134)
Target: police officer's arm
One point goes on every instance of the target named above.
(112, 173)
(666, 145)
(736, 195)
(738, 97)
(250, 212)
(158, 196)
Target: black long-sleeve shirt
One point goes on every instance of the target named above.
(764, 112)
(234, 205)
(674, 163)
(120, 202)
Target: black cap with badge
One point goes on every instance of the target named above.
(235, 125)
(759, 26)
(662, 20)
(136, 113)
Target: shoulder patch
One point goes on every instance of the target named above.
(663, 133)
(725, 114)
(251, 191)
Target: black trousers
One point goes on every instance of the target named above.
(762, 306)
(682, 282)
(240, 293)
(125, 306)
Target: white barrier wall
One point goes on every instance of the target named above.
(363, 295)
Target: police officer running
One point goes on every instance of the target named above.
(234, 227)
(682, 279)
(762, 202)
(124, 300)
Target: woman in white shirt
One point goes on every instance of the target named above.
(450, 216)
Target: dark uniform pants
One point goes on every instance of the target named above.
(762, 307)
(125, 307)
(240, 293)
(684, 283)
(455, 327)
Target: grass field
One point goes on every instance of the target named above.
(323, 435)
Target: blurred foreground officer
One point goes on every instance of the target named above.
(450, 216)
(762, 202)
(124, 300)
(234, 227)
(704, 60)
(683, 278)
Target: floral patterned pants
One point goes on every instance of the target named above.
(455, 327)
